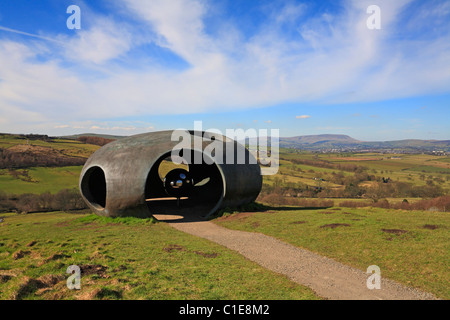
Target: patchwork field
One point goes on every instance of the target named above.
(66, 147)
(141, 259)
(410, 168)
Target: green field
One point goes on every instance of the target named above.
(411, 168)
(126, 258)
(40, 180)
(66, 147)
(140, 259)
(412, 247)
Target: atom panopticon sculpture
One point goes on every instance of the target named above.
(136, 176)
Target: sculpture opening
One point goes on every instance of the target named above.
(93, 187)
(182, 189)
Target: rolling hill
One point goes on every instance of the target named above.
(345, 143)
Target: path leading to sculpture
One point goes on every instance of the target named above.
(328, 278)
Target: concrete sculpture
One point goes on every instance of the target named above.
(123, 178)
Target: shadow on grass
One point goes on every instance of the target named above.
(259, 207)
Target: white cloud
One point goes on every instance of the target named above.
(332, 56)
(104, 41)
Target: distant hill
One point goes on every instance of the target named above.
(321, 139)
(344, 142)
(321, 142)
(76, 136)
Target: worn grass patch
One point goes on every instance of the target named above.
(412, 247)
(126, 258)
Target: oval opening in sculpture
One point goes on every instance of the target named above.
(93, 187)
(202, 198)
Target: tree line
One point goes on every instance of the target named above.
(64, 200)
(98, 141)
(24, 159)
(328, 165)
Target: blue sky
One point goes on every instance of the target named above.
(304, 67)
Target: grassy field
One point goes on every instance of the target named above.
(67, 147)
(416, 169)
(126, 259)
(139, 259)
(412, 247)
(40, 180)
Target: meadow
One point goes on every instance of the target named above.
(411, 247)
(126, 258)
(38, 180)
(145, 259)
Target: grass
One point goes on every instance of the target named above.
(41, 180)
(67, 147)
(140, 259)
(126, 258)
(414, 247)
(409, 168)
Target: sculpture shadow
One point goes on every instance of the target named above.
(173, 211)
(186, 213)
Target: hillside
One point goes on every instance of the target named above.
(22, 151)
(105, 136)
(322, 138)
(327, 142)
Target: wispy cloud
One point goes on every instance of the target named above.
(30, 35)
(331, 54)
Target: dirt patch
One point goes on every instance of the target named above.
(31, 286)
(430, 227)
(120, 268)
(53, 257)
(99, 270)
(105, 293)
(28, 287)
(255, 225)
(298, 222)
(50, 280)
(5, 278)
(57, 256)
(100, 293)
(20, 254)
(96, 255)
(174, 247)
(346, 213)
(394, 231)
(62, 224)
(326, 212)
(207, 255)
(32, 243)
(335, 225)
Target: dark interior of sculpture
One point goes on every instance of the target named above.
(93, 187)
(183, 189)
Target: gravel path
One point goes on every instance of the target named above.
(328, 278)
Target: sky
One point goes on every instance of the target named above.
(303, 67)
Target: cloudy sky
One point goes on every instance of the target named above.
(304, 67)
